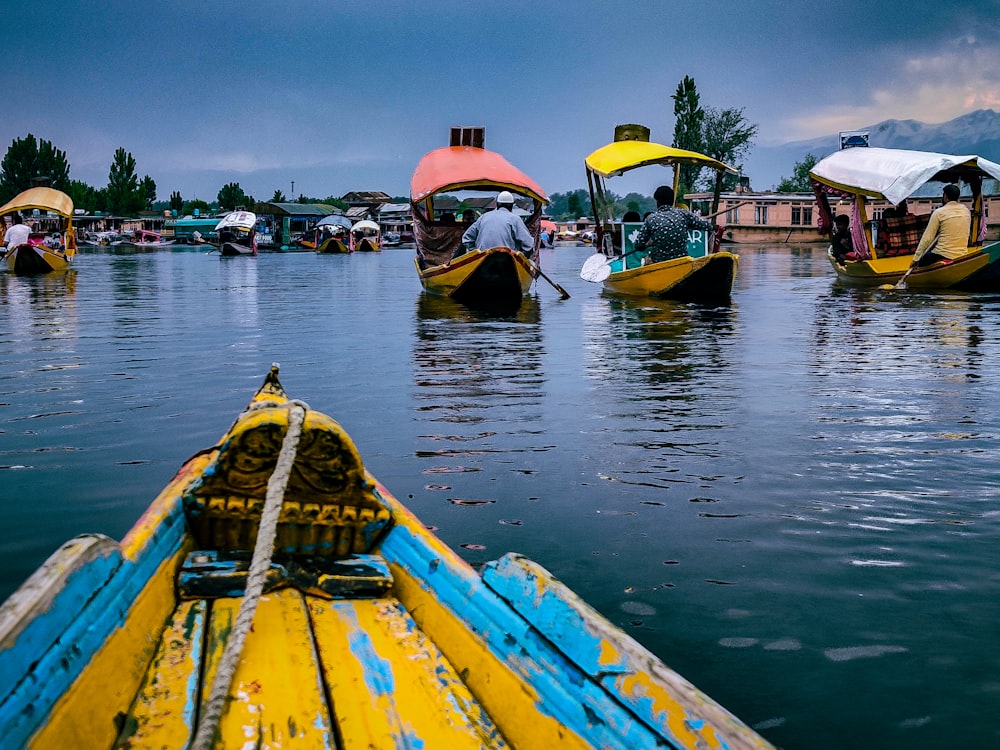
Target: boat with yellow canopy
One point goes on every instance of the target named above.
(275, 594)
(42, 253)
(883, 246)
(488, 276)
(704, 274)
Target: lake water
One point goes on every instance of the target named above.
(791, 499)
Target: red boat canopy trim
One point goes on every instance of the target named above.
(468, 168)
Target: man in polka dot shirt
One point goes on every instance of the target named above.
(664, 232)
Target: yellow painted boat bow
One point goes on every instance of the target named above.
(364, 630)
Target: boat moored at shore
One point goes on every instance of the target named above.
(237, 233)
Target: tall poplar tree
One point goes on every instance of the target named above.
(690, 118)
(125, 196)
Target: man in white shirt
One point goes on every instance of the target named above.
(500, 228)
(17, 234)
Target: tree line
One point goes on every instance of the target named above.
(32, 161)
(723, 134)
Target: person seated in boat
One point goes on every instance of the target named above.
(947, 233)
(500, 228)
(842, 244)
(468, 217)
(448, 219)
(17, 234)
(665, 232)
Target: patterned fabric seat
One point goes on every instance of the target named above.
(900, 235)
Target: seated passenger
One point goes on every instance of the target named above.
(843, 245)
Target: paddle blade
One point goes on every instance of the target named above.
(596, 268)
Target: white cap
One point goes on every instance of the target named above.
(505, 198)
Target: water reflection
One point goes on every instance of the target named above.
(44, 303)
(664, 372)
(479, 391)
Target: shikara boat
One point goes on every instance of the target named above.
(275, 594)
(38, 255)
(482, 277)
(237, 233)
(366, 237)
(329, 236)
(884, 248)
(147, 238)
(706, 274)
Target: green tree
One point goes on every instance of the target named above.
(83, 195)
(176, 202)
(148, 188)
(728, 137)
(278, 197)
(799, 181)
(125, 197)
(231, 196)
(28, 159)
(335, 202)
(574, 205)
(688, 129)
(197, 203)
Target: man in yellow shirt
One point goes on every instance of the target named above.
(947, 232)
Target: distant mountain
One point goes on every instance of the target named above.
(975, 133)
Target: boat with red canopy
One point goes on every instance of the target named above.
(442, 183)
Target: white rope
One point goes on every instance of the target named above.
(259, 565)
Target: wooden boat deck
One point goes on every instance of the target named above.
(380, 682)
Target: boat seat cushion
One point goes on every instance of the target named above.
(900, 235)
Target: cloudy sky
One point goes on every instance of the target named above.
(348, 95)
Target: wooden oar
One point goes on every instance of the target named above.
(540, 272)
(901, 284)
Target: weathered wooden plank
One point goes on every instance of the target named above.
(166, 709)
(102, 659)
(390, 686)
(532, 691)
(37, 614)
(277, 697)
(629, 672)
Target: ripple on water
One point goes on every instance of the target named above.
(849, 653)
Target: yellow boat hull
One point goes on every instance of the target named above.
(710, 277)
(33, 259)
(480, 277)
(979, 268)
(333, 245)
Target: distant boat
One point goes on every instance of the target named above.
(894, 175)
(704, 274)
(366, 237)
(147, 238)
(276, 595)
(489, 276)
(237, 233)
(330, 235)
(40, 254)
